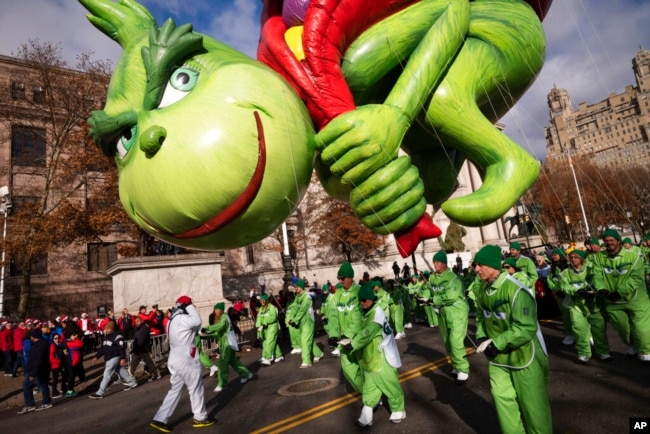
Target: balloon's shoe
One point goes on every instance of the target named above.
(408, 240)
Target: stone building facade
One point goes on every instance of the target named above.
(612, 133)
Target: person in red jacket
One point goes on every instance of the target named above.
(126, 325)
(75, 361)
(57, 364)
(21, 332)
(147, 318)
(7, 346)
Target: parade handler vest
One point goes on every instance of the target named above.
(381, 341)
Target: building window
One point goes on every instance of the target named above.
(37, 268)
(17, 90)
(27, 146)
(250, 254)
(101, 256)
(39, 94)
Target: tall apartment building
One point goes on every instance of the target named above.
(612, 133)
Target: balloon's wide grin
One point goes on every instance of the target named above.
(240, 204)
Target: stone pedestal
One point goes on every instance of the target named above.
(162, 279)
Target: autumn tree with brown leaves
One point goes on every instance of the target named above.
(608, 195)
(71, 197)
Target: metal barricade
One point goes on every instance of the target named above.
(159, 351)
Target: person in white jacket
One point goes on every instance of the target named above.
(184, 365)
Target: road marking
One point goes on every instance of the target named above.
(328, 407)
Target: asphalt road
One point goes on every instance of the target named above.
(596, 398)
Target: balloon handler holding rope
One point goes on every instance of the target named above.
(215, 150)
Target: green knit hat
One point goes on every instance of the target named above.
(346, 270)
(627, 240)
(300, 283)
(264, 297)
(515, 246)
(558, 251)
(489, 255)
(511, 262)
(611, 233)
(580, 253)
(376, 282)
(367, 291)
(221, 306)
(440, 257)
(594, 241)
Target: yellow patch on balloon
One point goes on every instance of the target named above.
(293, 38)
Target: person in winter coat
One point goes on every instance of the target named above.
(511, 339)
(58, 364)
(378, 357)
(74, 361)
(184, 365)
(267, 331)
(113, 350)
(141, 348)
(37, 371)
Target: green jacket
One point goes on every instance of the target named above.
(623, 273)
(347, 320)
(527, 265)
(446, 289)
(507, 314)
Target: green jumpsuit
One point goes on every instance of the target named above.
(347, 322)
(303, 316)
(379, 359)
(220, 330)
(267, 331)
(586, 312)
(398, 297)
(519, 374)
(448, 297)
(294, 333)
(624, 274)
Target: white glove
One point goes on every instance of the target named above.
(483, 345)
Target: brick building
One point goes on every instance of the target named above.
(613, 132)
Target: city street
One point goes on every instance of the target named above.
(598, 397)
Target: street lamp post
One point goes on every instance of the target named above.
(286, 258)
(628, 214)
(5, 206)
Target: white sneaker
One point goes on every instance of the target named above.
(462, 377)
(400, 335)
(218, 389)
(336, 352)
(644, 357)
(583, 359)
(408, 325)
(397, 416)
(266, 362)
(568, 340)
(316, 359)
(304, 365)
(213, 370)
(366, 416)
(246, 378)
(432, 325)
(279, 359)
(296, 351)
(606, 357)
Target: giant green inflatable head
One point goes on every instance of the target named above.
(214, 149)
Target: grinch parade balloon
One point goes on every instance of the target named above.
(215, 150)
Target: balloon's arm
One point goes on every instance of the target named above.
(430, 60)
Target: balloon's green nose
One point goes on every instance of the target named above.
(152, 139)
